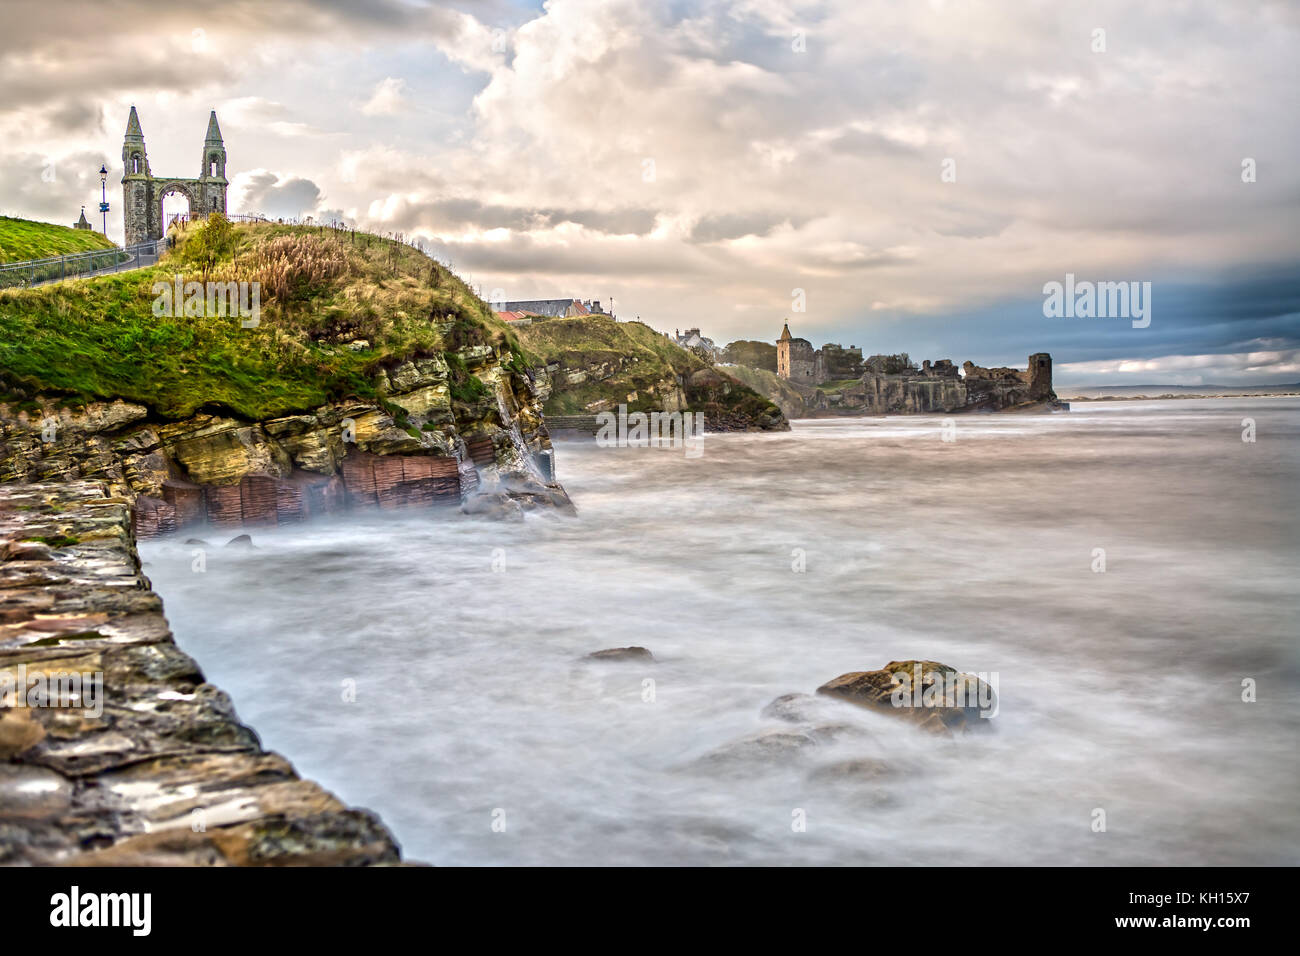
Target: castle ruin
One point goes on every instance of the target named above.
(884, 384)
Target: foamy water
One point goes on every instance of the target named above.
(1119, 691)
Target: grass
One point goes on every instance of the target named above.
(586, 341)
(99, 338)
(22, 239)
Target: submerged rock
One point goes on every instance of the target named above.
(242, 541)
(934, 696)
(633, 653)
(794, 708)
(494, 507)
(856, 769)
(765, 746)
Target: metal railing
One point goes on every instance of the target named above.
(34, 272)
(183, 220)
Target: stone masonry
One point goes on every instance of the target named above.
(143, 192)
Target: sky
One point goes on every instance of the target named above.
(903, 176)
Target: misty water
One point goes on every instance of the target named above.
(1120, 691)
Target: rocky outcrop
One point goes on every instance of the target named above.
(794, 401)
(934, 696)
(593, 364)
(114, 750)
(416, 445)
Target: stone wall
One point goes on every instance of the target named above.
(164, 773)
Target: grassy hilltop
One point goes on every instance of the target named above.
(335, 308)
(25, 239)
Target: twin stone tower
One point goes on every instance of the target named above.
(143, 192)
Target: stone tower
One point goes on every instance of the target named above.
(1039, 377)
(212, 180)
(796, 359)
(143, 193)
(783, 352)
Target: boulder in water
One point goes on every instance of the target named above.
(934, 696)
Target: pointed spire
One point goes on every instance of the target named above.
(785, 333)
(214, 131)
(133, 130)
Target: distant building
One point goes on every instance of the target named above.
(545, 308)
(693, 340)
(82, 223)
(798, 361)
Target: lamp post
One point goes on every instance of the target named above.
(103, 196)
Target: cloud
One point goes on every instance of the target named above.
(1281, 366)
(464, 214)
(53, 188)
(265, 192)
(388, 97)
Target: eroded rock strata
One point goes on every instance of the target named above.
(156, 769)
(417, 445)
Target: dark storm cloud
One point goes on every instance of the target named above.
(74, 117)
(57, 48)
(268, 194)
(1245, 310)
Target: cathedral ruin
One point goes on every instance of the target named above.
(143, 192)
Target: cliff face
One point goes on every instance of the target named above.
(793, 401)
(114, 749)
(415, 445)
(594, 364)
(371, 377)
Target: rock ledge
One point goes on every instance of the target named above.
(158, 770)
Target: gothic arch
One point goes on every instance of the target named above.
(181, 187)
(143, 192)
